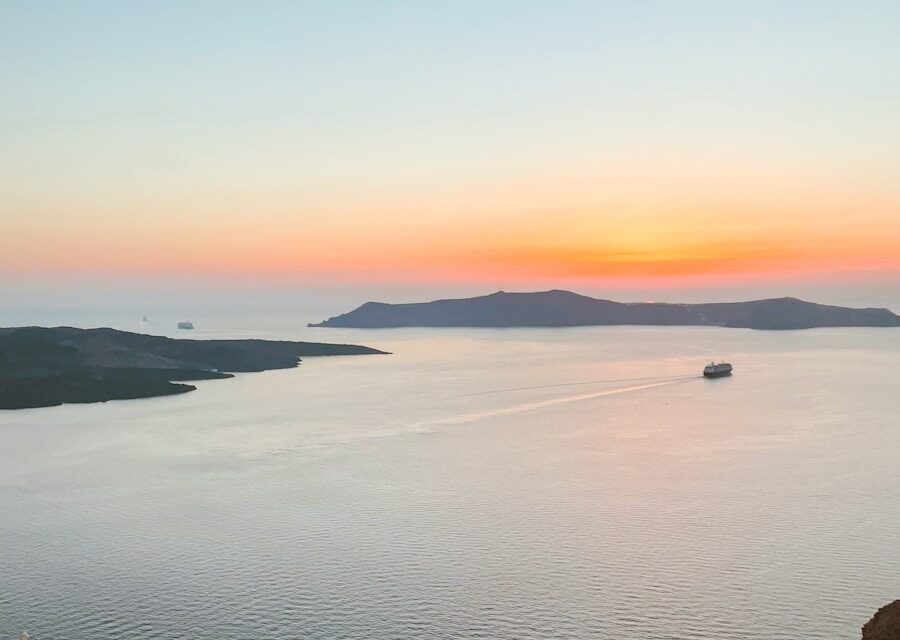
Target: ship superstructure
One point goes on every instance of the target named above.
(717, 369)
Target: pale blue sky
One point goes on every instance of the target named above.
(131, 119)
(446, 89)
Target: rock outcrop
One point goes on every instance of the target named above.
(885, 624)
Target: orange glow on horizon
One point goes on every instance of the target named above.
(454, 260)
(499, 234)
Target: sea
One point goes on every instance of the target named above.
(575, 483)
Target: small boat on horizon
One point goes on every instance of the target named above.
(187, 324)
(717, 369)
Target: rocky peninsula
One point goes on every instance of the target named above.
(42, 367)
(566, 309)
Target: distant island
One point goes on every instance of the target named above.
(566, 309)
(42, 367)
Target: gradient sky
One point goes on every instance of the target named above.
(520, 143)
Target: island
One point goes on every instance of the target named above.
(566, 309)
(42, 367)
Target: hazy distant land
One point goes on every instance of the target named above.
(41, 367)
(566, 309)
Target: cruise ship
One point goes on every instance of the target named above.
(717, 369)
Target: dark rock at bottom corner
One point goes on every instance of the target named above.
(885, 624)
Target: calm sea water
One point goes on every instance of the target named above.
(470, 486)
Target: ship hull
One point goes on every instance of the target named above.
(716, 374)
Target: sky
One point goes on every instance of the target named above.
(664, 149)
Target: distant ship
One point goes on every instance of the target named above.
(717, 369)
(186, 325)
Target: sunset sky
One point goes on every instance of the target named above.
(517, 144)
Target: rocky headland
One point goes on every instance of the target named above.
(41, 367)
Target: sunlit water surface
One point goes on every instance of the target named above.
(452, 490)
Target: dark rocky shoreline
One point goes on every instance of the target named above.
(42, 367)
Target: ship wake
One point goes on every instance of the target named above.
(467, 418)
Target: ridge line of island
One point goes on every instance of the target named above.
(557, 308)
(43, 367)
